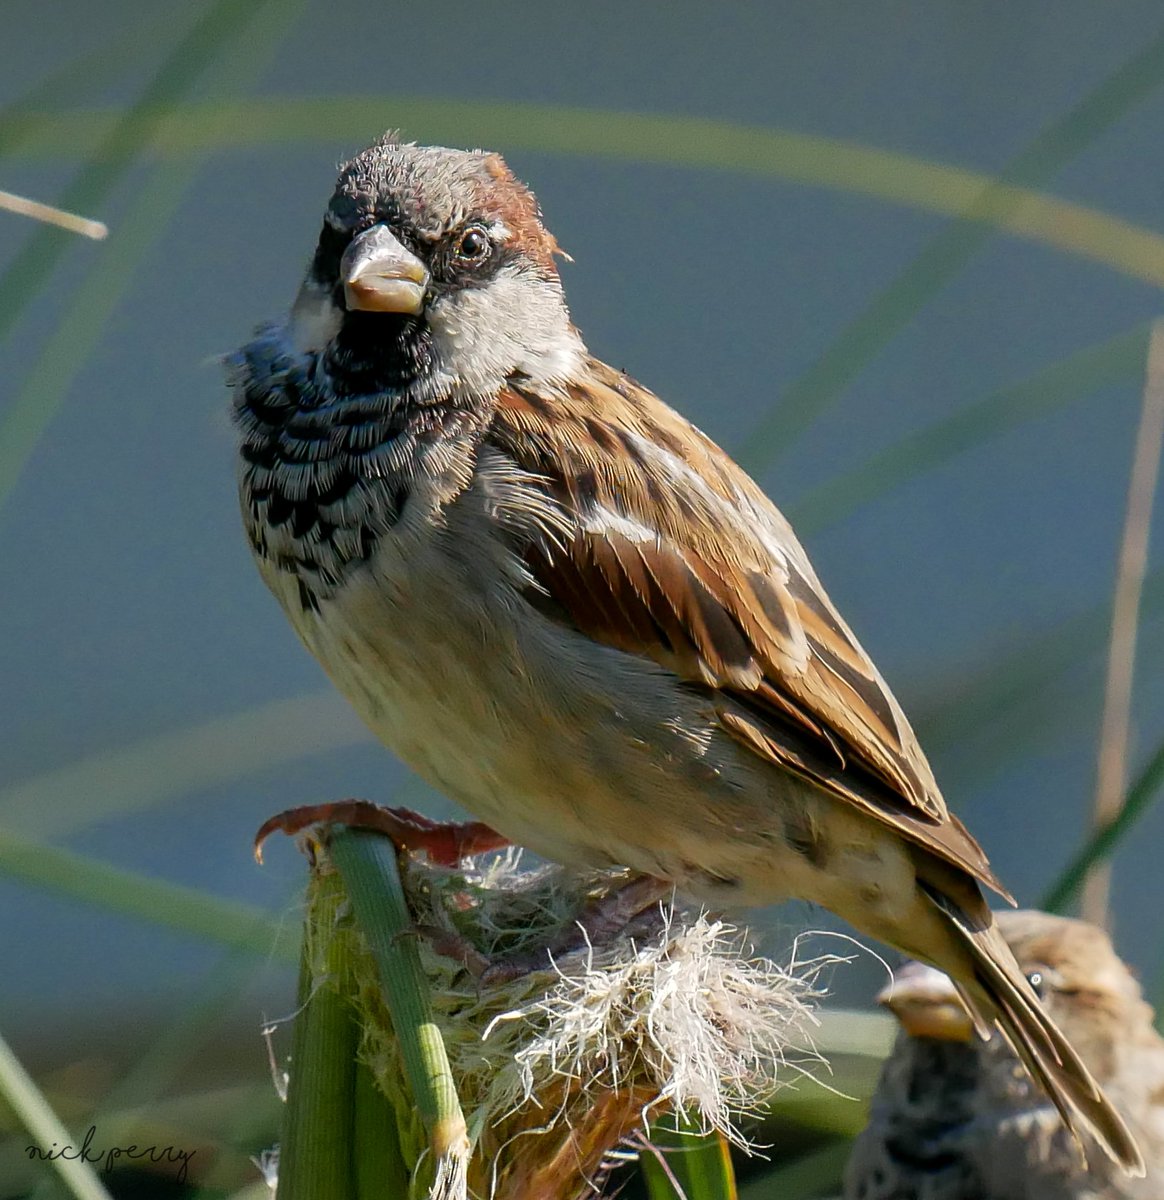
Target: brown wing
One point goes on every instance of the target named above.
(671, 551)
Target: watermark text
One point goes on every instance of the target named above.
(110, 1156)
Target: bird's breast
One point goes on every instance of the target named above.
(437, 661)
(580, 752)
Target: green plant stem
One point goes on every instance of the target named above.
(316, 1155)
(687, 1164)
(381, 1170)
(367, 863)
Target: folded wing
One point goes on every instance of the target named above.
(666, 549)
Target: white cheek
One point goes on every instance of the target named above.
(515, 323)
(315, 320)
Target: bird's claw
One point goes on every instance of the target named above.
(445, 842)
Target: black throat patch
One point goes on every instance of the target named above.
(332, 444)
(378, 353)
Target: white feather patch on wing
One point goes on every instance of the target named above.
(599, 519)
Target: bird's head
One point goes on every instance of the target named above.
(926, 1004)
(1072, 967)
(434, 264)
(1089, 992)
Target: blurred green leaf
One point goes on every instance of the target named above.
(1015, 672)
(126, 1111)
(1141, 796)
(91, 303)
(219, 1117)
(1071, 379)
(855, 1033)
(815, 1174)
(648, 138)
(45, 1130)
(81, 76)
(949, 251)
(133, 128)
(125, 780)
(98, 294)
(183, 909)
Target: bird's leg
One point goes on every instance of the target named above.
(633, 906)
(445, 842)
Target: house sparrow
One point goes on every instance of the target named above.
(559, 602)
(957, 1118)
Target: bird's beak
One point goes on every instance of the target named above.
(926, 1004)
(381, 275)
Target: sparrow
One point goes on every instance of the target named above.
(562, 604)
(957, 1118)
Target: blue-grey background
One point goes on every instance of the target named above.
(155, 707)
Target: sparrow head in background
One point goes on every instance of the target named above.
(565, 606)
(957, 1118)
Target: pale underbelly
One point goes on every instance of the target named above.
(589, 758)
(592, 757)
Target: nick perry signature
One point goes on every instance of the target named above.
(108, 1157)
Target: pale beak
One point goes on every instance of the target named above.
(381, 275)
(926, 1004)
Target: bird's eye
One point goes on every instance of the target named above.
(474, 245)
(1038, 983)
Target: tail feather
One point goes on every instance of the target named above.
(998, 994)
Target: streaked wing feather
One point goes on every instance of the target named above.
(675, 554)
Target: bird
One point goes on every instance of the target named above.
(957, 1118)
(564, 606)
